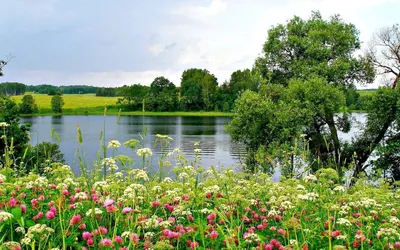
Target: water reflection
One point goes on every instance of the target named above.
(217, 149)
(214, 141)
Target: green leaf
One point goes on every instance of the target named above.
(16, 212)
(30, 223)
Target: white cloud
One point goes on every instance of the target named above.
(156, 49)
(202, 13)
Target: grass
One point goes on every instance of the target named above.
(366, 92)
(71, 101)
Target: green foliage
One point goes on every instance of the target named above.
(162, 96)
(41, 155)
(28, 105)
(13, 134)
(198, 90)
(303, 48)
(106, 91)
(57, 103)
(132, 97)
(12, 88)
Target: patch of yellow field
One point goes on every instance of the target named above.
(71, 101)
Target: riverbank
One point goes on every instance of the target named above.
(115, 111)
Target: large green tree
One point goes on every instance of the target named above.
(198, 89)
(314, 47)
(28, 105)
(162, 96)
(314, 61)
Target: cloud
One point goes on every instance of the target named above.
(105, 79)
(100, 43)
(202, 13)
(157, 49)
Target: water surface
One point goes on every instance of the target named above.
(215, 145)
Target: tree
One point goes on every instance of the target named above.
(28, 105)
(57, 103)
(3, 63)
(198, 89)
(303, 48)
(12, 88)
(13, 134)
(384, 53)
(162, 95)
(382, 129)
(132, 96)
(313, 61)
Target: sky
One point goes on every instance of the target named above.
(124, 42)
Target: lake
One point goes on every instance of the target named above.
(215, 145)
(217, 149)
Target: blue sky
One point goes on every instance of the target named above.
(112, 43)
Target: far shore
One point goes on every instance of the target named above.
(132, 113)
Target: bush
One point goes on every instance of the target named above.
(28, 105)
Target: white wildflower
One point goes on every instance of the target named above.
(144, 152)
(114, 144)
(343, 221)
(4, 216)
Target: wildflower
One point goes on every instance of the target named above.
(12, 202)
(134, 238)
(50, 215)
(106, 242)
(118, 239)
(132, 143)
(20, 230)
(144, 152)
(11, 245)
(164, 137)
(108, 203)
(193, 245)
(140, 174)
(197, 150)
(111, 163)
(213, 235)
(81, 196)
(87, 235)
(126, 210)
(4, 124)
(102, 230)
(96, 211)
(310, 178)
(2, 178)
(76, 219)
(4, 216)
(339, 189)
(343, 221)
(114, 144)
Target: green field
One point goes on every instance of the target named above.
(90, 104)
(365, 92)
(71, 101)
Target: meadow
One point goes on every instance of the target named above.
(366, 92)
(117, 204)
(90, 104)
(71, 101)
